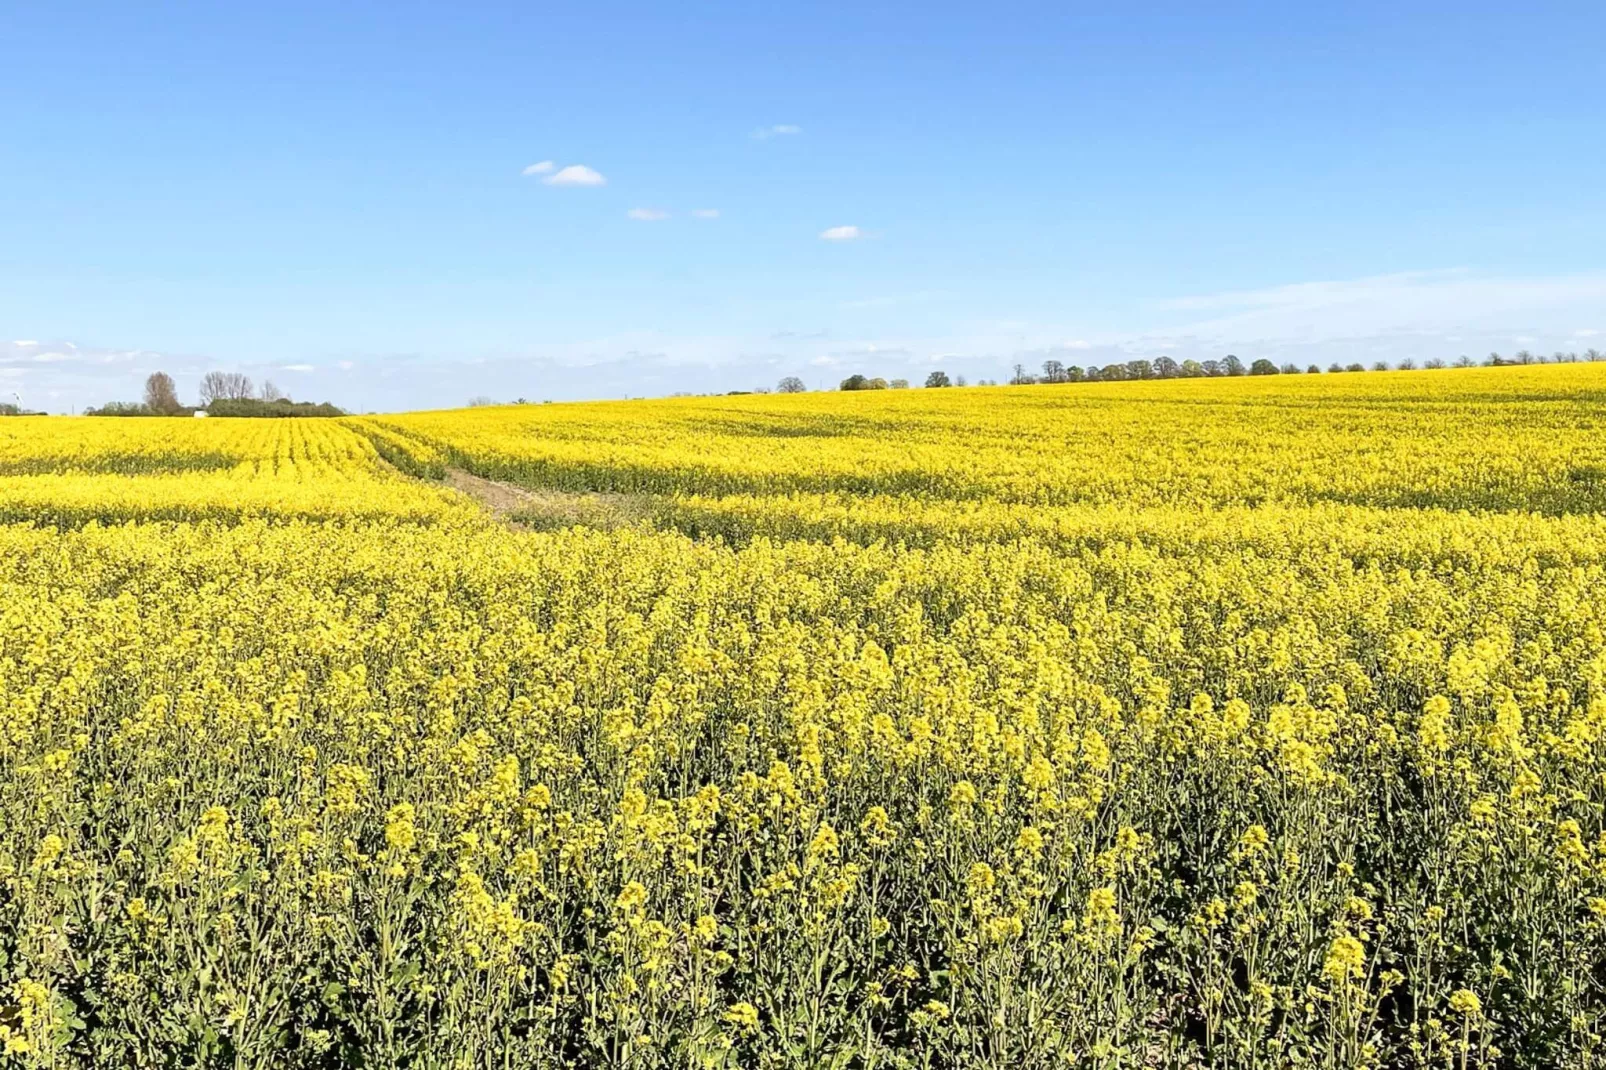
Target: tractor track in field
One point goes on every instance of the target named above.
(524, 509)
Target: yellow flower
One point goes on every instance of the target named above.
(400, 833)
(981, 880)
(1254, 840)
(744, 1016)
(632, 897)
(1346, 959)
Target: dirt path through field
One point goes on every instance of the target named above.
(500, 498)
(520, 507)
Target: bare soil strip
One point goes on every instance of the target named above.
(541, 510)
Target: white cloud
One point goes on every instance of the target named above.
(841, 233)
(1421, 301)
(764, 133)
(705, 213)
(1585, 332)
(345, 365)
(576, 174)
(298, 367)
(545, 167)
(824, 361)
(647, 215)
(25, 343)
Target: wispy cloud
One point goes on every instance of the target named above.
(576, 174)
(24, 343)
(764, 133)
(889, 300)
(298, 367)
(647, 215)
(545, 167)
(705, 213)
(841, 233)
(1433, 301)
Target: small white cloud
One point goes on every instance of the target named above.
(345, 365)
(705, 213)
(824, 361)
(1582, 332)
(545, 167)
(24, 343)
(297, 367)
(647, 215)
(764, 133)
(576, 174)
(841, 233)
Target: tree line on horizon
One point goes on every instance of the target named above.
(221, 394)
(1165, 368)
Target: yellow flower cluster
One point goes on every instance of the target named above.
(1191, 723)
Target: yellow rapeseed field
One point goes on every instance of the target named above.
(1233, 723)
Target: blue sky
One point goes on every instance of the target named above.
(334, 195)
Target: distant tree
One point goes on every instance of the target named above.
(1313, 370)
(1406, 365)
(1493, 360)
(1139, 369)
(9, 409)
(1433, 363)
(877, 383)
(1094, 374)
(790, 385)
(1356, 368)
(1335, 367)
(1463, 361)
(1593, 355)
(959, 380)
(1114, 373)
(936, 379)
(1166, 368)
(270, 392)
(1191, 369)
(259, 409)
(225, 386)
(161, 395)
(121, 408)
(1233, 366)
(1381, 366)
(1263, 367)
(1053, 371)
(1021, 377)
(1213, 368)
(1074, 374)
(1524, 357)
(897, 384)
(480, 401)
(1290, 368)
